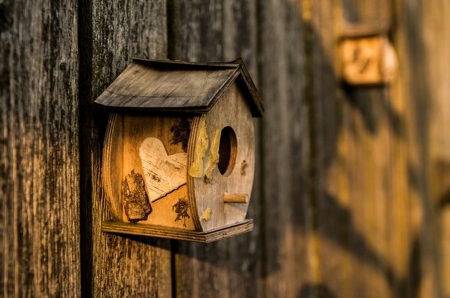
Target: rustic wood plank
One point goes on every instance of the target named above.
(39, 168)
(112, 33)
(141, 86)
(240, 39)
(286, 222)
(436, 39)
(351, 160)
(421, 39)
(196, 33)
(367, 136)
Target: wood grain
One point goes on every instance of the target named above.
(144, 87)
(112, 33)
(39, 158)
(196, 31)
(286, 212)
(351, 184)
(240, 39)
(178, 234)
(233, 113)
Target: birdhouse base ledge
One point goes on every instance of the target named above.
(118, 227)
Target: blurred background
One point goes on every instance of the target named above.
(352, 191)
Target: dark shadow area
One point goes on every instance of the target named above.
(85, 125)
(315, 291)
(371, 101)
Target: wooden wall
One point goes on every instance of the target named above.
(352, 185)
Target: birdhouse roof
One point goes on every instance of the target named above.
(177, 86)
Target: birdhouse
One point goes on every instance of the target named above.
(178, 155)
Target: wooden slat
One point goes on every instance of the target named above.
(240, 34)
(143, 87)
(422, 39)
(113, 32)
(436, 29)
(196, 31)
(39, 167)
(286, 225)
(351, 161)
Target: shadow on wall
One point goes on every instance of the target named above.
(317, 291)
(339, 226)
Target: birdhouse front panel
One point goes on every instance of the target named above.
(221, 162)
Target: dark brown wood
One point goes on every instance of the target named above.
(113, 32)
(39, 159)
(286, 225)
(351, 189)
(240, 34)
(196, 30)
(177, 86)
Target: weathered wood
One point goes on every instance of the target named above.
(231, 113)
(244, 257)
(196, 33)
(142, 86)
(39, 159)
(286, 225)
(112, 33)
(179, 234)
(351, 189)
(436, 40)
(422, 39)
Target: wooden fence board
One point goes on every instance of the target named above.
(112, 33)
(244, 257)
(368, 137)
(351, 191)
(330, 189)
(285, 221)
(417, 47)
(39, 167)
(196, 35)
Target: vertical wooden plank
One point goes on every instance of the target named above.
(436, 39)
(39, 168)
(111, 33)
(196, 34)
(285, 218)
(368, 137)
(359, 160)
(240, 38)
(330, 242)
(420, 42)
(196, 30)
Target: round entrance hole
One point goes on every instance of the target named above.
(227, 151)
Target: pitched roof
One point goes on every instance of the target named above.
(178, 86)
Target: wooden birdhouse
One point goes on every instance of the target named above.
(178, 157)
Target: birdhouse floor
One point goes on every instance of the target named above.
(173, 233)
